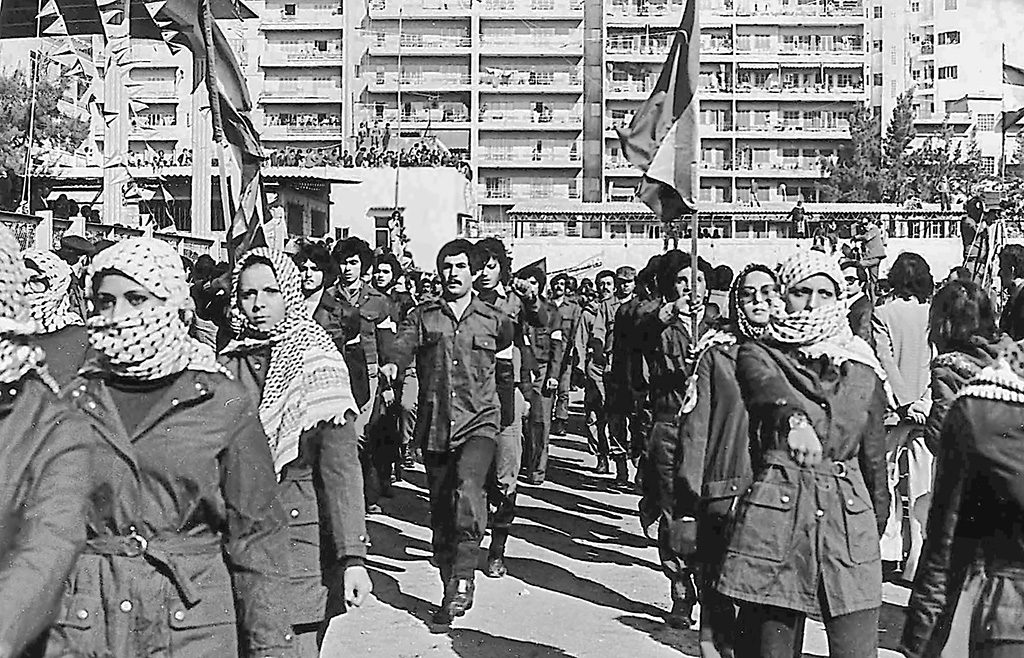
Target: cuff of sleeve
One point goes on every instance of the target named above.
(353, 561)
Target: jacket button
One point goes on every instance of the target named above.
(785, 499)
(295, 513)
(14, 391)
(820, 513)
(179, 615)
(850, 502)
(733, 488)
(199, 386)
(287, 637)
(82, 614)
(126, 606)
(258, 366)
(455, 362)
(75, 393)
(175, 402)
(91, 405)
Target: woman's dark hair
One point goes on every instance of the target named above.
(353, 246)
(461, 246)
(1011, 257)
(910, 276)
(388, 258)
(319, 256)
(671, 263)
(960, 310)
(721, 278)
(494, 248)
(960, 272)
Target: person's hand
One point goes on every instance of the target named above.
(918, 412)
(803, 443)
(357, 585)
(388, 372)
(387, 396)
(551, 385)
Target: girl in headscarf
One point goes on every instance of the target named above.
(44, 468)
(713, 464)
(184, 519)
(62, 333)
(805, 537)
(295, 374)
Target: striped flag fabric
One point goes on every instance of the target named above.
(662, 139)
(1013, 97)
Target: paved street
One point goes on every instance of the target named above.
(583, 581)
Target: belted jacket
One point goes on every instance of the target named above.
(976, 522)
(45, 461)
(184, 521)
(806, 539)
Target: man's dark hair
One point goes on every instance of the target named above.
(960, 310)
(721, 278)
(603, 274)
(960, 272)
(560, 277)
(461, 246)
(910, 276)
(672, 262)
(353, 246)
(388, 258)
(1012, 257)
(494, 248)
(319, 256)
(534, 272)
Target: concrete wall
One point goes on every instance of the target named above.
(562, 253)
(431, 200)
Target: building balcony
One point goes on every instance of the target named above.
(531, 9)
(279, 57)
(158, 133)
(618, 53)
(620, 168)
(531, 81)
(628, 89)
(530, 120)
(778, 92)
(154, 91)
(419, 45)
(556, 158)
(792, 131)
(297, 92)
(434, 9)
(303, 20)
(780, 170)
(449, 118)
(311, 132)
(428, 81)
(511, 194)
(571, 45)
(788, 56)
(632, 15)
(822, 12)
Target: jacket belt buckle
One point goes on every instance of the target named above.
(839, 469)
(137, 544)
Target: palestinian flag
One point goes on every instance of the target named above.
(1013, 78)
(662, 139)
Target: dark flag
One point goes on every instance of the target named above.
(1013, 76)
(662, 139)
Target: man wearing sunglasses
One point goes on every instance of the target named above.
(861, 308)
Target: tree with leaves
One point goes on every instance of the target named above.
(52, 130)
(856, 176)
(896, 150)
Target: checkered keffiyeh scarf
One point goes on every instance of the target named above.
(823, 331)
(307, 381)
(52, 307)
(149, 343)
(1002, 381)
(18, 356)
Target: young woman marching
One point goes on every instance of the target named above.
(44, 469)
(184, 519)
(62, 330)
(713, 467)
(295, 374)
(805, 539)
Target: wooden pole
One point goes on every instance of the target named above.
(694, 320)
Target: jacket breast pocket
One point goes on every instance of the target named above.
(484, 348)
(859, 518)
(765, 522)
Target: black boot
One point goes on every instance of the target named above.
(496, 554)
(458, 598)
(622, 471)
(558, 427)
(602, 466)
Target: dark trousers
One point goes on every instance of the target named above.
(562, 399)
(597, 421)
(764, 631)
(537, 430)
(458, 504)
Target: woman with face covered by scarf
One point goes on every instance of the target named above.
(805, 536)
(295, 374)
(62, 332)
(184, 521)
(44, 468)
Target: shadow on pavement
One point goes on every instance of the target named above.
(393, 543)
(387, 590)
(556, 579)
(471, 643)
(685, 641)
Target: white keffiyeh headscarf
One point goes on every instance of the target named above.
(18, 356)
(823, 331)
(51, 308)
(151, 343)
(307, 381)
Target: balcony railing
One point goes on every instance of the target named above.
(420, 79)
(525, 116)
(413, 42)
(533, 42)
(534, 7)
(530, 191)
(305, 17)
(295, 55)
(561, 79)
(420, 5)
(806, 127)
(526, 156)
(776, 88)
(311, 129)
(302, 89)
(826, 8)
(629, 86)
(643, 10)
(416, 116)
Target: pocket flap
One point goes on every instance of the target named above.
(214, 608)
(772, 495)
(77, 614)
(485, 343)
(730, 488)
(854, 502)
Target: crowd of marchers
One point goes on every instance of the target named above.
(192, 448)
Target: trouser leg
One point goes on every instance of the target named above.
(508, 457)
(410, 399)
(617, 441)
(308, 638)
(440, 484)
(717, 611)
(367, 448)
(562, 398)
(597, 422)
(854, 635)
(764, 631)
(540, 429)
(472, 461)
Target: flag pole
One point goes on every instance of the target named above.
(1002, 126)
(398, 102)
(694, 320)
(218, 125)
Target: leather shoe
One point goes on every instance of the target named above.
(681, 615)
(602, 466)
(558, 428)
(496, 567)
(458, 597)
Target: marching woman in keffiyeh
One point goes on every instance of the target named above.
(805, 537)
(966, 599)
(62, 333)
(44, 467)
(294, 372)
(184, 518)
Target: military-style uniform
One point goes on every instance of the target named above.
(543, 350)
(571, 313)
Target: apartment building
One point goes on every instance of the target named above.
(949, 52)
